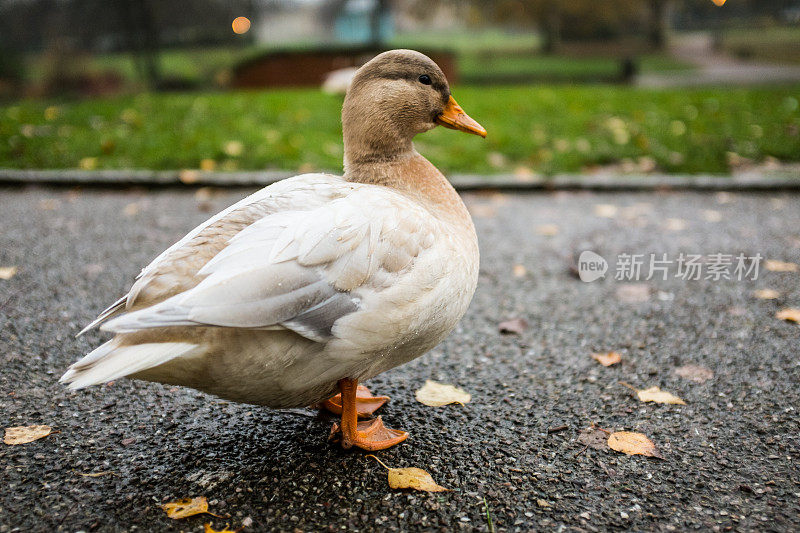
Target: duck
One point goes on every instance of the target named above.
(295, 295)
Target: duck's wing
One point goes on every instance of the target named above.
(175, 269)
(299, 269)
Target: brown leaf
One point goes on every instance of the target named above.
(654, 394)
(593, 437)
(766, 294)
(187, 507)
(547, 230)
(515, 326)
(208, 529)
(773, 265)
(132, 209)
(790, 314)
(435, 394)
(25, 434)
(631, 443)
(411, 478)
(607, 358)
(696, 373)
(8, 272)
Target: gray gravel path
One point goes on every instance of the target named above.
(730, 454)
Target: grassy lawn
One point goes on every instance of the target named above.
(779, 44)
(547, 129)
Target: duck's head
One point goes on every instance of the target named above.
(393, 97)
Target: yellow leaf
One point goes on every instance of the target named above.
(605, 210)
(790, 314)
(548, 230)
(766, 294)
(8, 272)
(411, 478)
(187, 507)
(208, 164)
(131, 209)
(607, 358)
(188, 176)
(25, 434)
(654, 394)
(631, 443)
(233, 148)
(435, 394)
(774, 265)
(88, 163)
(208, 529)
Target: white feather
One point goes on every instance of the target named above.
(109, 362)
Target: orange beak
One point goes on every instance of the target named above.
(455, 118)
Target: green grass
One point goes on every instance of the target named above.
(777, 44)
(547, 129)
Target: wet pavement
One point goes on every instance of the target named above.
(730, 454)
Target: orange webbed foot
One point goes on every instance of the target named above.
(366, 403)
(370, 435)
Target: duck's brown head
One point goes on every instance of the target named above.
(393, 97)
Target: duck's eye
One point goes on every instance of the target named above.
(425, 79)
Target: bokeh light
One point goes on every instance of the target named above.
(241, 25)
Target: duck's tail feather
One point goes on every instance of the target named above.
(111, 361)
(107, 313)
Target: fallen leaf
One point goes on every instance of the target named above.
(96, 474)
(8, 272)
(188, 176)
(435, 394)
(773, 265)
(234, 148)
(519, 271)
(654, 394)
(88, 163)
(187, 507)
(131, 209)
(607, 358)
(515, 326)
(790, 314)
(696, 373)
(631, 443)
(547, 230)
(675, 224)
(766, 294)
(208, 529)
(543, 503)
(25, 434)
(593, 437)
(605, 210)
(411, 478)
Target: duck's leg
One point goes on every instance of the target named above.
(366, 403)
(369, 435)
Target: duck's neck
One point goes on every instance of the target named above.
(410, 173)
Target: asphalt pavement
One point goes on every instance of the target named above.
(512, 455)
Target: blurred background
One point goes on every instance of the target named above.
(623, 86)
